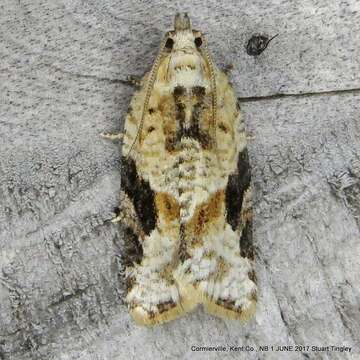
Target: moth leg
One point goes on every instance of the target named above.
(228, 68)
(134, 80)
(118, 136)
(118, 218)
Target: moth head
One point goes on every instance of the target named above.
(183, 37)
(182, 22)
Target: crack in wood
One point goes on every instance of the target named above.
(299, 95)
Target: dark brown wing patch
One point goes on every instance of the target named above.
(140, 193)
(132, 251)
(194, 130)
(237, 184)
(246, 241)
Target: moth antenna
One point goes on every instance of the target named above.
(214, 89)
(149, 87)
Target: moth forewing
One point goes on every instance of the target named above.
(186, 187)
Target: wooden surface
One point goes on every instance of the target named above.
(61, 63)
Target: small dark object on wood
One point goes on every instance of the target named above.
(257, 44)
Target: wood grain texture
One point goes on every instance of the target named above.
(60, 71)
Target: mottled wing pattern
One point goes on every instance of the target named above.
(186, 198)
(152, 294)
(218, 272)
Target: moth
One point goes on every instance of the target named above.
(185, 212)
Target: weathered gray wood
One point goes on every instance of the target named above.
(60, 296)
